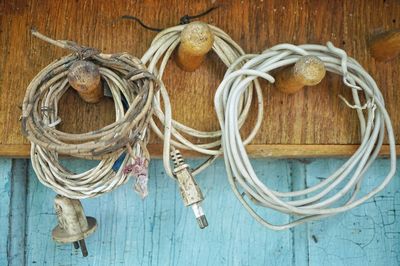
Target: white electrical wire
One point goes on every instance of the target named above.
(117, 145)
(173, 131)
(341, 190)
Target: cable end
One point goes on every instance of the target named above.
(200, 216)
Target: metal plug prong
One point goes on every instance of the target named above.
(76, 245)
(83, 247)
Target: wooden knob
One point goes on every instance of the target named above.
(309, 70)
(386, 45)
(84, 77)
(196, 41)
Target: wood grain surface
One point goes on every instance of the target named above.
(314, 116)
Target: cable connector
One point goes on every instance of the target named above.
(190, 191)
(73, 226)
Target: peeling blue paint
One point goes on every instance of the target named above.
(161, 231)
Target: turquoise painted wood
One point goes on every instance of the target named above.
(5, 207)
(160, 231)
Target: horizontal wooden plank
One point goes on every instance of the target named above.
(314, 116)
(254, 150)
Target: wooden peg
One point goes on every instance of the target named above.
(84, 77)
(309, 70)
(386, 45)
(196, 41)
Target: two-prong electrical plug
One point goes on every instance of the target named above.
(190, 191)
(73, 226)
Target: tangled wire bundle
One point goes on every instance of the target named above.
(228, 51)
(125, 139)
(340, 191)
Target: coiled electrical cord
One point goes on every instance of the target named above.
(117, 144)
(156, 59)
(340, 191)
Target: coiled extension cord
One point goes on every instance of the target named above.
(340, 191)
(172, 132)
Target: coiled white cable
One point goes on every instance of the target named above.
(117, 145)
(341, 190)
(173, 131)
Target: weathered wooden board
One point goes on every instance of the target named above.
(5, 207)
(315, 116)
(160, 231)
(13, 176)
(367, 235)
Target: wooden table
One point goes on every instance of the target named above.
(313, 122)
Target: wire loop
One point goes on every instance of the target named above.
(116, 145)
(174, 133)
(339, 192)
